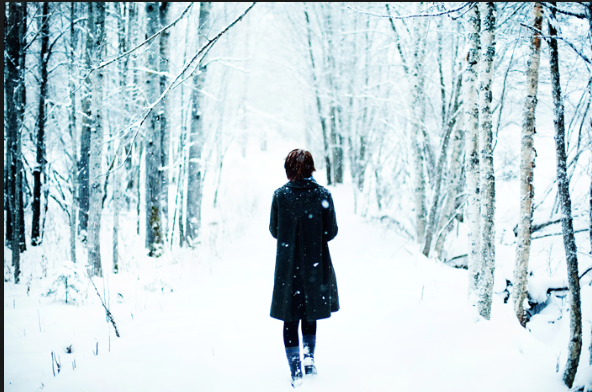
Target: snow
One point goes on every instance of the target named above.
(199, 320)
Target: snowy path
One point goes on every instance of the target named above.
(403, 326)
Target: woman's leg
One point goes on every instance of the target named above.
(309, 339)
(293, 351)
(291, 334)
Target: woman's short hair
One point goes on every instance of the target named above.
(299, 164)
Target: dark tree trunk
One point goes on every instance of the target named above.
(15, 89)
(39, 170)
(83, 181)
(575, 314)
(162, 116)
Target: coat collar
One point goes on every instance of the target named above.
(302, 184)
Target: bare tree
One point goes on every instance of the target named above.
(196, 137)
(527, 156)
(569, 242)
(471, 115)
(15, 90)
(487, 11)
(97, 15)
(152, 143)
(39, 170)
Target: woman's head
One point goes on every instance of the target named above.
(299, 164)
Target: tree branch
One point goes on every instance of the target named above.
(173, 84)
(447, 12)
(577, 15)
(548, 38)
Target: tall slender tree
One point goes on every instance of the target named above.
(196, 137)
(85, 131)
(569, 242)
(73, 133)
(471, 116)
(487, 11)
(98, 11)
(39, 174)
(527, 167)
(163, 115)
(14, 40)
(153, 152)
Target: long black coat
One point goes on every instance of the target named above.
(302, 221)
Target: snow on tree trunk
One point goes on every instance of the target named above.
(418, 107)
(569, 242)
(471, 119)
(73, 137)
(39, 169)
(196, 137)
(163, 116)
(486, 160)
(526, 169)
(96, 142)
(83, 179)
(152, 185)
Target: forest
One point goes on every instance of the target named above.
(143, 143)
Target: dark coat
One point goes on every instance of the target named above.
(302, 221)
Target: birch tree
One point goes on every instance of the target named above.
(569, 242)
(163, 114)
(418, 108)
(97, 16)
(527, 156)
(487, 188)
(471, 115)
(196, 137)
(152, 142)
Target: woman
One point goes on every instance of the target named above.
(305, 288)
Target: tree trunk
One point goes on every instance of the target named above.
(196, 139)
(14, 88)
(96, 142)
(40, 142)
(473, 169)
(73, 136)
(162, 115)
(85, 132)
(486, 160)
(418, 104)
(153, 151)
(453, 179)
(526, 169)
(569, 242)
(116, 183)
(322, 119)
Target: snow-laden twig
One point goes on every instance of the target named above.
(446, 12)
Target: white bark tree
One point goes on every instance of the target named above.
(487, 251)
(471, 116)
(527, 156)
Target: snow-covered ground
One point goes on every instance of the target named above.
(199, 320)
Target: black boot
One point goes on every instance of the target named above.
(293, 354)
(308, 343)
